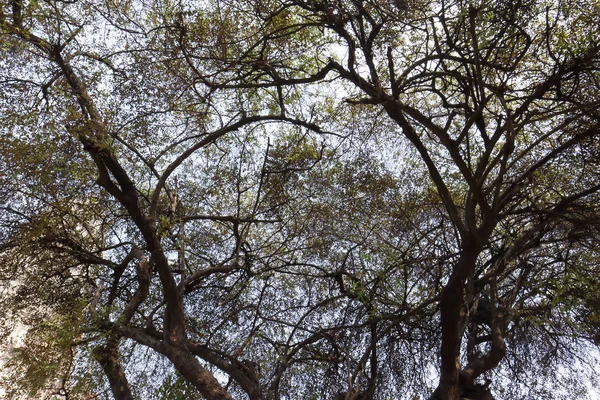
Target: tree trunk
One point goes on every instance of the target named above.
(188, 365)
(451, 305)
(449, 377)
(108, 357)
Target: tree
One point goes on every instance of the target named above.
(297, 199)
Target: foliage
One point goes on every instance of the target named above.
(276, 199)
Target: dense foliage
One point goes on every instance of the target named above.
(285, 199)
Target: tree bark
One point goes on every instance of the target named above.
(451, 305)
(108, 357)
(189, 366)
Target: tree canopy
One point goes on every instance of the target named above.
(286, 199)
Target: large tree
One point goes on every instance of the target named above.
(301, 199)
